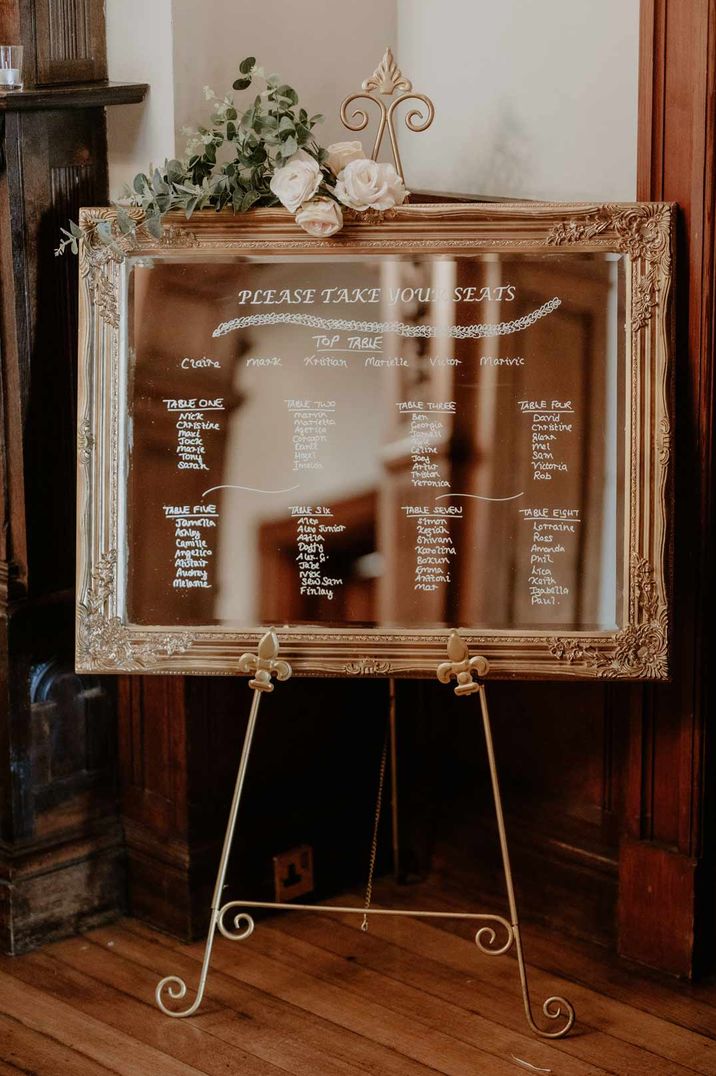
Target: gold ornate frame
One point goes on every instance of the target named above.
(643, 232)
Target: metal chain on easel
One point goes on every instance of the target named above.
(376, 828)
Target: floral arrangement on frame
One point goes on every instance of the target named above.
(266, 155)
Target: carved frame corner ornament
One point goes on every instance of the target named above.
(641, 649)
(106, 247)
(644, 232)
(104, 642)
(641, 233)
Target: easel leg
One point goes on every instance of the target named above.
(468, 673)
(264, 665)
(554, 1007)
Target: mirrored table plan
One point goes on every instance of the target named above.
(376, 441)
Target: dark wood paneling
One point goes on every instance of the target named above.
(61, 842)
(312, 780)
(666, 907)
(70, 41)
(57, 741)
(64, 39)
(560, 751)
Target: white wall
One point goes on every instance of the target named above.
(180, 46)
(320, 49)
(139, 49)
(533, 99)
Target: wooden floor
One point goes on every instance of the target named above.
(312, 995)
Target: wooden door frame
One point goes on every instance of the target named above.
(666, 867)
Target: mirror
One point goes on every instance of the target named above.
(361, 476)
(349, 440)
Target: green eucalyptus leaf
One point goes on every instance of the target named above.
(124, 221)
(249, 199)
(264, 137)
(288, 93)
(154, 227)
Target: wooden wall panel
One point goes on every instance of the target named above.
(57, 733)
(61, 840)
(64, 40)
(666, 867)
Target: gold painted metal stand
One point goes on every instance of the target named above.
(468, 673)
(263, 665)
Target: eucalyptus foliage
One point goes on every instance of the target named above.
(228, 163)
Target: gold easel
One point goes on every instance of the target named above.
(469, 673)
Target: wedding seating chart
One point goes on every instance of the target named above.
(369, 441)
(472, 399)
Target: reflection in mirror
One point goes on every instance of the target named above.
(366, 441)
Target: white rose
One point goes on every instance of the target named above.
(320, 216)
(297, 181)
(365, 184)
(342, 153)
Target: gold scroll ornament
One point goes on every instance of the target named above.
(386, 80)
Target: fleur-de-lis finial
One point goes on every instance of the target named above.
(265, 663)
(386, 80)
(466, 670)
(387, 77)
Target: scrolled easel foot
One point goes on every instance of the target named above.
(175, 988)
(554, 1008)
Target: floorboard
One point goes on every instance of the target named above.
(313, 995)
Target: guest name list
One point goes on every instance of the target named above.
(425, 434)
